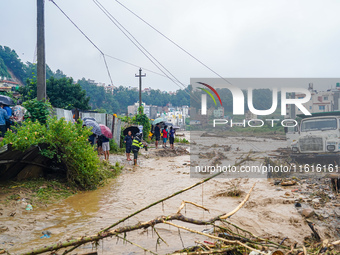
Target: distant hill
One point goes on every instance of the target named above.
(3, 69)
(121, 97)
(12, 67)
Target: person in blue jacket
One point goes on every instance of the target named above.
(3, 118)
(9, 114)
(128, 143)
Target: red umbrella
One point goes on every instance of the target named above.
(106, 131)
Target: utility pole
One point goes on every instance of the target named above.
(41, 64)
(140, 75)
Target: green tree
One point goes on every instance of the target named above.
(62, 93)
(38, 110)
(142, 119)
(3, 69)
(12, 61)
(31, 71)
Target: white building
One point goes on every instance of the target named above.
(321, 101)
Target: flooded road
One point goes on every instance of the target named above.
(268, 213)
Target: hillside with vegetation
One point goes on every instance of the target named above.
(64, 92)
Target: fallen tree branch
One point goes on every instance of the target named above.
(220, 251)
(214, 237)
(159, 236)
(256, 237)
(204, 245)
(126, 229)
(144, 225)
(160, 201)
(226, 216)
(137, 245)
(335, 243)
(188, 202)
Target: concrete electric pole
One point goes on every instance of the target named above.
(41, 65)
(140, 85)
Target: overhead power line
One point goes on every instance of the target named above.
(140, 47)
(173, 42)
(103, 54)
(107, 68)
(123, 61)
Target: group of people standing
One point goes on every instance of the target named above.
(134, 143)
(166, 134)
(103, 144)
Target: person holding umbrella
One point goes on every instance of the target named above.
(95, 129)
(105, 146)
(105, 138)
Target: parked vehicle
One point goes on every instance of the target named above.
(318, 139)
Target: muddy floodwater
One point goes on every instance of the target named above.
(269, 212)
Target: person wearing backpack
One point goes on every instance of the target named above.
(136, 145)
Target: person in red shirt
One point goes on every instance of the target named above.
(165, 136)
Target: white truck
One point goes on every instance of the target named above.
(317, 139)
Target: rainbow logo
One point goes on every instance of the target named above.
(209, 93)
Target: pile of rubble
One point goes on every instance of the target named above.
(318, 201)
(167, 152)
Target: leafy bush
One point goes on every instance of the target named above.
(181, 140)
(114, 148)
(38, 110)
(67, 143)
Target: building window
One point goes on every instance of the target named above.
(325, 98)
(310, 107)
(321, 107)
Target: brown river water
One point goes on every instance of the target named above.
(268, 212)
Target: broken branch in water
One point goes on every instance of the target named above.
(161, 201)
(188, 202)
(144, 225)
(214, 237)
(226, 216)
(160, 236)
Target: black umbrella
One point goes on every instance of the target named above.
(6, 100)
(134, 130)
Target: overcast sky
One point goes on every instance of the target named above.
(239, 38)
